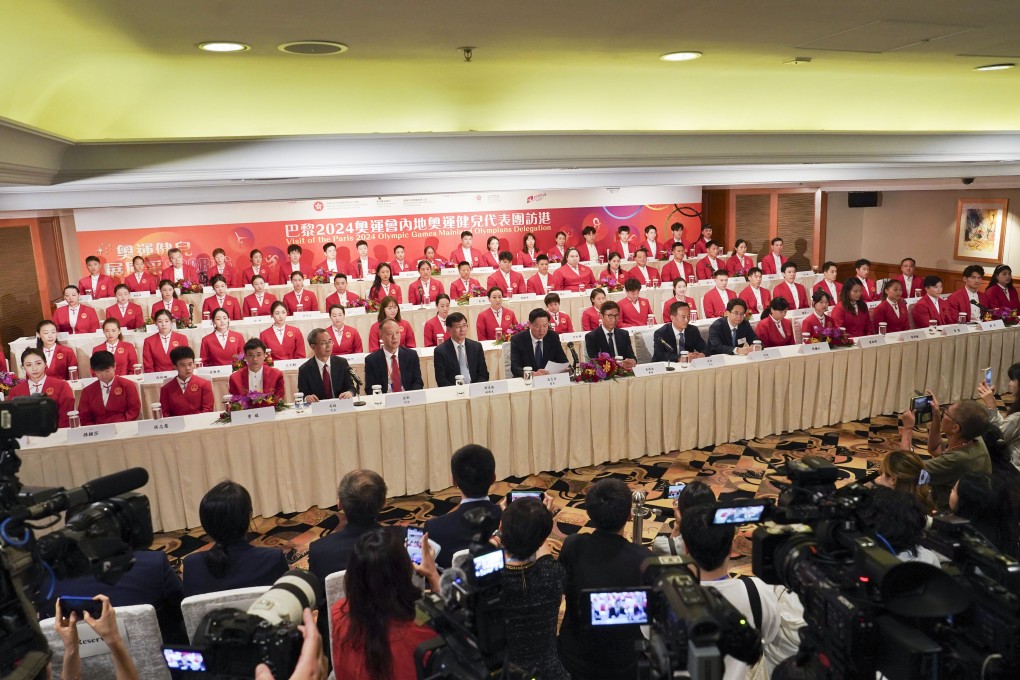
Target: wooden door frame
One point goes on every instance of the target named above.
(821, 201)
(36, 227)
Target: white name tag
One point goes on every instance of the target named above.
(814, 348)
(408, 275)
(288, 364)
(798, 313)
(207, 290)
(64, 337)
(483, 270)
(991, 325)
(870, 341)
(448, 271)
(478, 301)
(84, 298)
(254, 415)
(737, 279)
(872, 305)
(91, 433)
(355, 311)
(487, 389)
(957, 329)
(708, 362)
(555, 380)
(162, 376)
(306, 315)
(149, 328)
(525, 296)
(259, 319)
(248, 286)
(213, 371)
(517, 267)
(139, 294)
(644, 370)
(330, 406)
(205, 323)
(766, 354)
(771, 277)
(914, 335)
(412, 398)
(162, 426)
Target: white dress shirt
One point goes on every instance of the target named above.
(222, 338)
(105, 389)
(255, 380)
(72, 315)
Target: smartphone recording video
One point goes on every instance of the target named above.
(921, 406)
(414, 537)
(676, 489)
(518, 495)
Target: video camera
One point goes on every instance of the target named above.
(104, 524)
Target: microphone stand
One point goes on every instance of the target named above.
(358, 401)
(573, 355)
(669, 350)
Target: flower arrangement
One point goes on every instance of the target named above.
(475, 292)
(237, 361)
(603, 367)
(371, 305)
(249, 401)
(1008, 316)
(555, 259)
(665, 256)
(836, 337)
(320, 276)
(7, 382)
(437, 265)
(610, 283)
(510, 332)
(186, 286)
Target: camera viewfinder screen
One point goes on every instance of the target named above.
(518, 495)
(414, 537)
(619, 608)
(741, 515)
(184, 659)
(920, 404)
(676, 489)
(489, 563)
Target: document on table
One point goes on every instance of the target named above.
(556, 367)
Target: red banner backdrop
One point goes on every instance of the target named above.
(117, 247)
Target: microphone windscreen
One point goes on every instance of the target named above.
(449, 581)
(116, 484)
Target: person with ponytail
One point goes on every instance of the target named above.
(903, 471)
(851, 312)
(232, 562)
(774, 329)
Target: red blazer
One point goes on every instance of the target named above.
(334, 299)
(408, 266)
(154, 359)
(190, 273)
(925, 310)
(738, 266)
(147, 284)
(997, 297)
(617, 246)
(63, 359)
(230, 305)
(308, 301)
(354, 268)
(659, 248)
(122, 406)
(671, 271)
(55, 389)
(457, 287)
(350, 343)
(132, 318)
(821, 285)
(229, 272)
(557, 254)
(747, 295)
(856, 325)
(486, 326)
(260, 310)
(561, 323)
(868, 294)
(959, 302)
(590, 319)
(433, 327)
(700, 246)
(406, 336)
(768, 264)
(104, 286)
(916, 285)
(665, 308)
(705, 271)
(490, 260)
(292, 347)
(457, 256)
(286, 269)
(497, 279)
(178, 309)
(214, 355)
(884, 313)
(416, 292)
(272, 382)
(714, 304)
(267, 272)
(783, 291)
(770, 336)
(124, 356)
(812, 325)
(565, 279)
(332, 271)
(535, 285)
(634, 315)
(635, 273)
(3, 363)
(88, 320)
(197, 397)
(527, 259)
(395, 292)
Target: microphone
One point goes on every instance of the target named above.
(358, 385)
(96, 490)
(573, 354)
(669, 349)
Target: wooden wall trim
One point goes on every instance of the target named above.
(952, 279)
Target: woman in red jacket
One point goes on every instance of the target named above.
(739, 263)
(774, 329)
(38, 381)
(529, 254)
(892, 310)
(58, 358)
(383, 285)
(852, 312)
(389, 308)
(679, 294)
(818, 319)
(157, 347)
(1000, 292)
(282, 341)
(219, 347)
(168, 301)
(496, 319)
(590, 317)
(573, 274)
(124, 355)
(490, 258)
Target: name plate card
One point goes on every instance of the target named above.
(449, 271)
(259, 319)
(205, 323)
(409, 275)
(84, 298)
(149, 328)
(328, 407)
(483, 270)
(139, 294)
(919, 334)
(872, 305)
(161, 426)
(213, 371)
(407, 307)
(708, 362)
(956, 329)
(91, 433)
(64, 336)
(737, 279)
(645, 370)
(487, 389)
(253, 415)
(412, 398)
(355, 311)
(766, 354)
(555, 380)
(306, 315)
(162, 376)
(478, 301)
(991, 325)
(517, 267)
(772, 277)
(207, 290)
(814, 348)
(525, 296)
(288, 364)
(871, 341)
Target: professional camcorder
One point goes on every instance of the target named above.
(104, 524)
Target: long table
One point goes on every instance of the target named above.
(294, 462)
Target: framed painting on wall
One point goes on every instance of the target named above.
(980, 229)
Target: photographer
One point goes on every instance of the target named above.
(106, 627)
(963, 424)
(311, 664)
(695, 493)
(1008, 424)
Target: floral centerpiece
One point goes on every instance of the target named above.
(610, 283)
(555, 259)
(836, 337)
(1008, 316)
(465, 297)
(371, 306)
(603, 367)
(510, 332)
(237, 361)
(320, 276)
(249, 401)
(437, 265)
(186, 286)
(665, 256)
(7, 382)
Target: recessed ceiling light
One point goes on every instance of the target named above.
(680, 56)
(994, 67)
(313, 48)
(223, 46)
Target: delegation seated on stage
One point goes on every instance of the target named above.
(590, 316)
(259, 302)
(644, 273)
(293, 264)
(185, 394)
(37, 381)
(220, 299)
(614, 274)
(128, 314)
(169, 301)
(679, 295)
(755, 295)
(221, 267)
(774, 329)
(508, 281)
(464, 252)
(257, 376)
(74, 317)
(363, 266)
(678, 268)
(740, 263)
(527, 256)
(930, 307)
(710, 263)
(59, 358)
(341, 296)
(300, 299)
(157, 347)
(139, 280)
(465, 283)
(383, 286)
(330, 264)
(426, 289)
(346, 339)
(715, 300)
(794, 292)
(819, 318)
(851, 312)
(124, 354)
(400, 264)
(389, 309)
(573, 275)
(968, 303)
(435, 330)
(221, 346)
(178, 269)
(282, 341)
(111, 398)
(258, 267)
(830, 272)
(634, 309)
(559, 322)
(892, 309)
(495, 320)
(541, 281)
(913, 285)
(490, 256)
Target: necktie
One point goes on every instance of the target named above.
(36, 388)
(612, 343)
(465, 372)
(539, 359)
(680, 345)
(327, 383)
(395, 374)
(733, 332)
(106, 393)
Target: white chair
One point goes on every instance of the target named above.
(141, 635)
(459, 556)
(197, 606)
(335, 590)
(644, 344)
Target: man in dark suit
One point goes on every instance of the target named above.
(731, 333)
(311, 374)
(537, 347)
(678, 336)
(459, 355)
(609, 339)
(474, 471)
(380, 364)
(601, 559)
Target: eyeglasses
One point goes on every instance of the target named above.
(325, 343)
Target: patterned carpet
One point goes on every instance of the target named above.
(735, 471)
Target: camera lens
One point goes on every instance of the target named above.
(287, 599)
